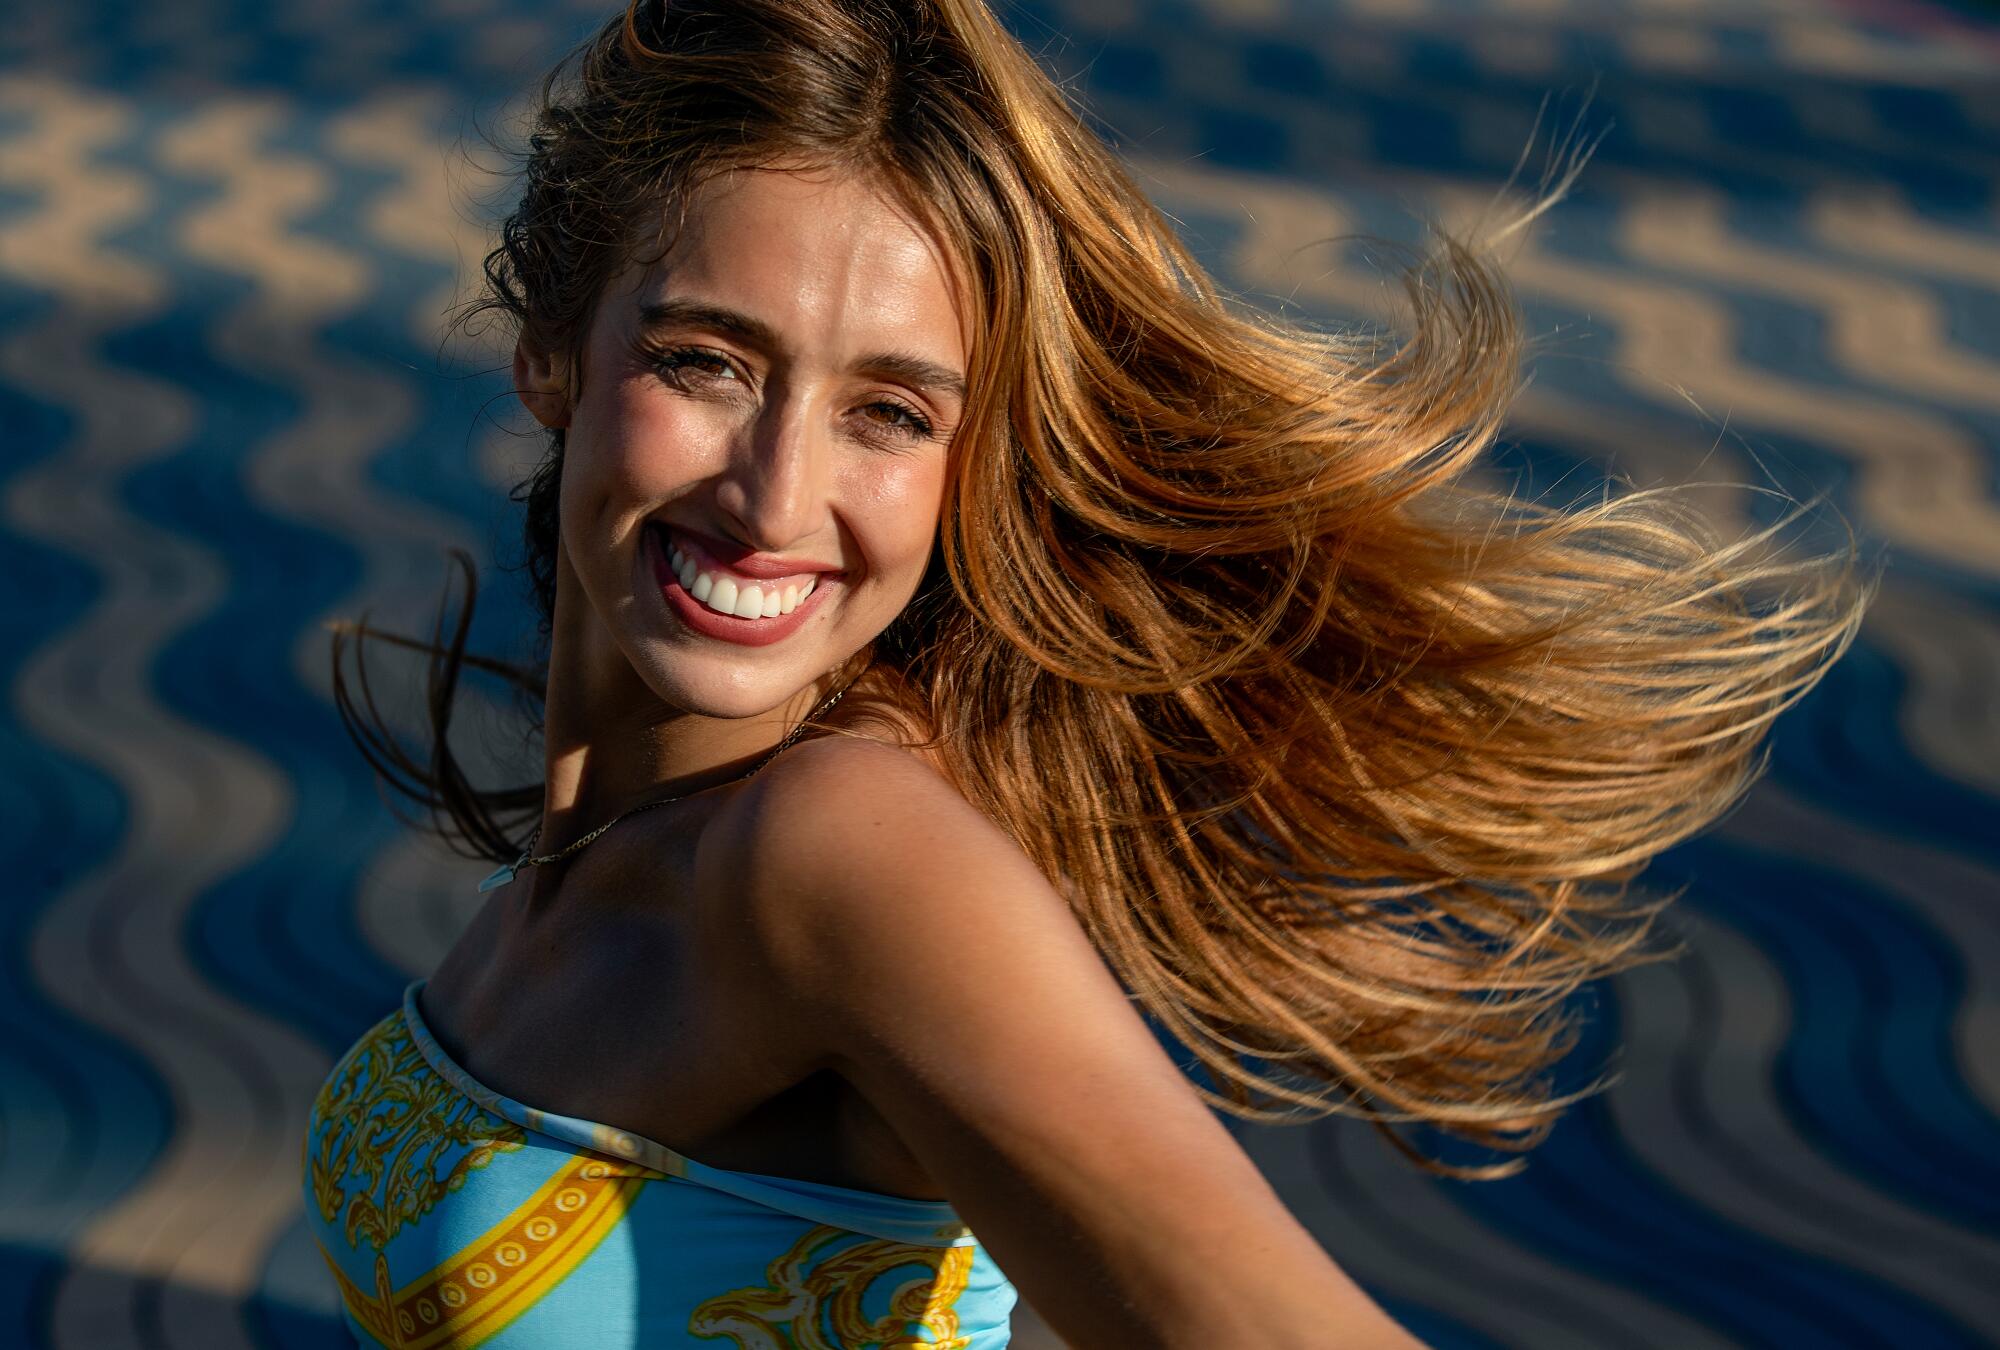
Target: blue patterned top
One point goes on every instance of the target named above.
(452, 1217)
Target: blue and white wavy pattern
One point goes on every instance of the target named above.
(228, 233)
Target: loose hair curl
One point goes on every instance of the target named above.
(1344, 763)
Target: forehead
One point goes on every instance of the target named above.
(828, 259)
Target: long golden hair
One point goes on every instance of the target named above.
(1344, 762)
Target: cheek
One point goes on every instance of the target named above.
(902, 502)
(647, 446)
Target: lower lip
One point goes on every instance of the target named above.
(727, 627)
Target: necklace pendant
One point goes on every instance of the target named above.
(502, 875)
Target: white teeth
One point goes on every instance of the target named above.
(725, 595)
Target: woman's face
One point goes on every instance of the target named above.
(755, 461)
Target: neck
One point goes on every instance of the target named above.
(611, 743)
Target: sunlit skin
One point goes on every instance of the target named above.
(790, 434)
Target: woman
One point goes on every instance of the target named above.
(1151, 650)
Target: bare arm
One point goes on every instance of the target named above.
(931, 963)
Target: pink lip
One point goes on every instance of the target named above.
(727, 627)
(742, 561)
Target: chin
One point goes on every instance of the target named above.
(725, 695)
(728, 685)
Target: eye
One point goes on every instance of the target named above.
(679, 364)
(898, 417)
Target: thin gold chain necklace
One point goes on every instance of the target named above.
(505, 873)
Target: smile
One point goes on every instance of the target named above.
(725, 592)
(719, 604)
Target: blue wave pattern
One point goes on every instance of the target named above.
(228, 235)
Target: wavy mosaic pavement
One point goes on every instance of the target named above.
(228, 235)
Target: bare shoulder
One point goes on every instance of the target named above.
(851, 840)
(912, 946)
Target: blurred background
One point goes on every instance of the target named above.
(229, 233)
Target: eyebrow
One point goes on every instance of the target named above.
(681, 312)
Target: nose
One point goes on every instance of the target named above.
(777, 482)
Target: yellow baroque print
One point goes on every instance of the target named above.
(491, 1281)
(381, 1123)
(812, 1300)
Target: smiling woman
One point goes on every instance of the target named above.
(1160, 659)
(768, 406)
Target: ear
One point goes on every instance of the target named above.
(539, 379)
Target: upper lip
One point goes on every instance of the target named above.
(737, 558)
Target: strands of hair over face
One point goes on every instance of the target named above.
(1345, 764)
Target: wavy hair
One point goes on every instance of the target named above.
(1344, 762)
